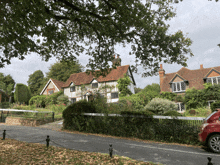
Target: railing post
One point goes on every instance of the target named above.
(53, 116)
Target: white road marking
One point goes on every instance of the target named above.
(166, 149)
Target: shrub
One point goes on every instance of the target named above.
(38, 101)
(198, 112)
(135, 100)
(22, 94)
(160, 106)
(168, 95)
(52, 99)
(195, 98)
(63, 99)
(4, 105)
(215, 105)
(79, 107)
(100, 103)
(172, 113)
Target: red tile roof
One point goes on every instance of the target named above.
(194, 77)
(59, 84)
(83, 78)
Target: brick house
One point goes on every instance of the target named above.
(52, 86)
(178, 82)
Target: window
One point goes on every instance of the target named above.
(114, 95)
(72, 89)
(178, 86)
(181, 107)
(73, 100)
(95, 85)
(50, 92)
(213, 80)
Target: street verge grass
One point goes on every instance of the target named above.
(17, 152)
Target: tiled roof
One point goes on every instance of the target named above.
(59, 84)
(194, 77)
(83, 78)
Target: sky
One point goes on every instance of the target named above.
(198, 19)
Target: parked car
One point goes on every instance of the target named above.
(210, 131)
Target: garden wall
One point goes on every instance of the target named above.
(26, 122)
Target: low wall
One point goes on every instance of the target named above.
(26, 122)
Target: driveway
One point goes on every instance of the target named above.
(166, 154)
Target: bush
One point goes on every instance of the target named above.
(4, 105)
(22, 94)
(38, 101)
(160, 106)
(63, 99)
(215, 105)
(52, 99)
(172, 113)
(79, 107)
(168, 95)
(202, 112)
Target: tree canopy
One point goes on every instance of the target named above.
(35, 81)
(67, 28)
(7, 83)
(62, 70)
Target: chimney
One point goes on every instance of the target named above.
(161, 74)
(116, 61)
(201, 66)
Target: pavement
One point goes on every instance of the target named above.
(167, 154)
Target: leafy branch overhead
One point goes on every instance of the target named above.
(67, 28)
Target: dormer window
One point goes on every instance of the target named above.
(213, 80)
(178, 86)
(94, 85)
(72, 89)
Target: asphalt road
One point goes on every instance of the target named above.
(155, 152)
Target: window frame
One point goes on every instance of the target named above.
(50, 91)
(95, 85)
(73, 99)
(211, 78)
(176, 85)
(180, 109)
(112, 94)
(72, 88)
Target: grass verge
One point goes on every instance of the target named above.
(17, 152)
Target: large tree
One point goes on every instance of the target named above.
(7, 84)
(35, 81)
(66, 28)
(62, 70)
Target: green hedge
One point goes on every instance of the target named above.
(4, 105)
(215, 105)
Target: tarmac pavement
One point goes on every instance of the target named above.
(166, 154)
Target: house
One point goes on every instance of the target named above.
(83, 86)
(178, 82)
(52, 86)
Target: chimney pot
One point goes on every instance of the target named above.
(161, 66)
(114, 56)
(201, 66)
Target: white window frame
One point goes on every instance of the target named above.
(180, 108)
(216, 77)
(175, 83)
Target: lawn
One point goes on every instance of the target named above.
(17, 152)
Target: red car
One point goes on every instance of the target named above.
(210, 131)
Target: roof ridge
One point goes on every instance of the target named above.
(99, 69)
